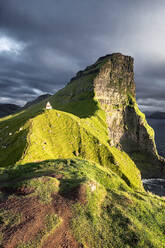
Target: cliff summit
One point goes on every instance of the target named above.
(110, 83)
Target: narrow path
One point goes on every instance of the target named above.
(62, 237)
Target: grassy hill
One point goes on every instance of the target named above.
(103, 197)
(77, 203)
(63, 185)
(37, 134)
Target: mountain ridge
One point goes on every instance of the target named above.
(7, 109)
(110, 81)
(67, 179)
(36, 100)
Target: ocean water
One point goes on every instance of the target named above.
(159, 128)
(157, 185)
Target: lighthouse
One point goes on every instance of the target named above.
(48, 105)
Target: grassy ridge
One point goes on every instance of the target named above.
(114, 215)
(55, 134)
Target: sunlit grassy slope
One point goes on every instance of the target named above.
(38, 134)
(71, 140)
(114, 215)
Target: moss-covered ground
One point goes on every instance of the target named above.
(113, 215)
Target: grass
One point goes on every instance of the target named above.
(118, 217)
(55, 134)
(115, 215)
(41, 187)
(73, 171)
(148, 128)
(76, 127)
(51, 223)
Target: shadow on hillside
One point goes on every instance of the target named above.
(15, 144)
(136, 142)
(83, 108)
(69, 180)
(20, 118)
(27, 171)
(150, 166)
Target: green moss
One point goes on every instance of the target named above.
(56, 134)
(124, 163)
(124, 221)
(42, 187)
(132, 103)
(149, 129)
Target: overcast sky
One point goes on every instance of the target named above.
(43, 43)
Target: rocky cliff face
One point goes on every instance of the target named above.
(114, 88)
(110, 81)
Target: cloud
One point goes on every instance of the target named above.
(10, 46)
(47, 42)
(151, 105)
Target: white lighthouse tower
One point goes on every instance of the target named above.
(48, 105)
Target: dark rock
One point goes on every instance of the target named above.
(110, 81)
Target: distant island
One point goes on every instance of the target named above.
(157, 115)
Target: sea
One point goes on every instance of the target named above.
(157, 185)
(159, 128)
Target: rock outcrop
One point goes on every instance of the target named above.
(114, 88)
(110, 83)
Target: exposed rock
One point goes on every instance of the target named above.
(110, 81)
(112, 85)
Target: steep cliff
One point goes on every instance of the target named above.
(103, 116)
(110, 83)
(114, 88)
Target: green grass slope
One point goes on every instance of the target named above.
(111, 214)
(53, 134)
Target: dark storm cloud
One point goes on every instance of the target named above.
(49, 41)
